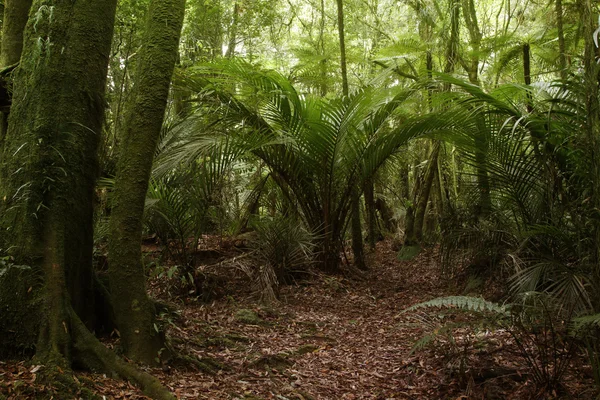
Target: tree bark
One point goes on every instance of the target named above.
(50, 147)
(592, 126)
(373, 232)
(134, 311)
(423, 200)
(340, 14)
(47, 185)
(16, 13)
(357, 240)
(527, 73)
(233, 29)
(562, 56)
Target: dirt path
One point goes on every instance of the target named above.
(335, 339)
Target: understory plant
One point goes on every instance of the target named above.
(316, 150)
(526, 213)
(540, 330)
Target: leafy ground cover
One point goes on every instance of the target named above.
(331, 338)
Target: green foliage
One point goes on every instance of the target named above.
(284, 245)
(317, 151)
(466, 303)
(408, 252)
(535, 323)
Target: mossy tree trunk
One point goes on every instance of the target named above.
(15, 17)
(134, 311)
(374, 234)
(357, 240)
(50, 148)
(424, 197)
(47, 183)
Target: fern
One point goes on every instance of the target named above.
(585, 323)
(463, 303)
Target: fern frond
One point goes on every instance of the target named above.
(466, 303)
(584, 323)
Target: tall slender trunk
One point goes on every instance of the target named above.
(322, 52)
(340, 15)
(527, 73)
(423, 200)
(416, 231)
(357, 241)
(562, 56)
(475, 36)
(373, 233)
(134, 311)
(233, 30)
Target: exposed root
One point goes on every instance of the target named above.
(204, 364)
(89, 352)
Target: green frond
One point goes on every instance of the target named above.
(581, 324)
(466, 303)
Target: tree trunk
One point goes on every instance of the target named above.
(47, 185)
(134, 311)
(50, 148)
(340, 14)
(592, 126)
(321, 45)
(233, 29)
(15, 13)
(357, 241)
(527, 73)
(470, 17)
(373, 233)
(562, 56)
(423, 200)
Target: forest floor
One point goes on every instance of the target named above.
(331, 338)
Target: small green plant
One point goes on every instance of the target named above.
(536, 325)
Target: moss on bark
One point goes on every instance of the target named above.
(134, 312)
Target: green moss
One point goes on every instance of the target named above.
(273, 361)
(408, 253)
(231, 341)
(248, 317)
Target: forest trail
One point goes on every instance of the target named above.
(331, 339)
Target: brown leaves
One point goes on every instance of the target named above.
(334, 339)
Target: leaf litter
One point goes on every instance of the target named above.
(333, 338)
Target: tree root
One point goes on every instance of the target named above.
(89, 352)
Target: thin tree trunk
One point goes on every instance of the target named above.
(592, 126)
(423, 200)
(373, 233)
(233, 31)
(562, 56)
(416, 230)
(323, 62)
(357, 241)
(134, 311)
(340, 14)
(475, 36)
(527, 73)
